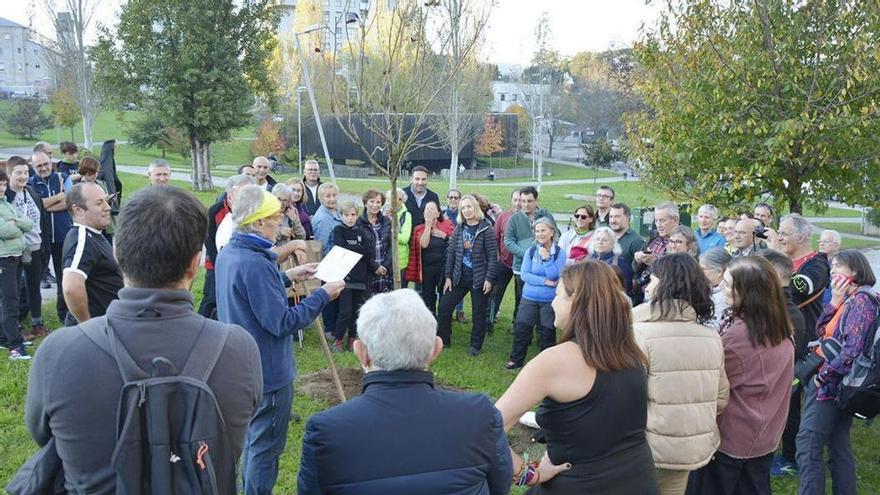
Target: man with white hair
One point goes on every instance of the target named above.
(417, 438)
(809, 278)
(251, 293)
(261, 165)
(707, 235)
(829, 245)
(159, 172)
(666, 218)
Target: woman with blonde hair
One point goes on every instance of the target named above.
(593, 391)
(471, 255)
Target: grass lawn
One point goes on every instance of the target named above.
(848, 228)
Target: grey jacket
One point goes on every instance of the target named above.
(485, 254)
(12, 229)
(74, 386)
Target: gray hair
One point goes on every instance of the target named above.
(237, 181)
(247, 201)
(398, 330)
(159, 163)
(711, 209)
(549, 222)
(835, 235)
(323, 187)
(801, 226)
(605, 230)
(716, 259)
(40, 146)
(281, 189)
(669, 207)
(693, 246)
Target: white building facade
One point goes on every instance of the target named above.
(23, 64)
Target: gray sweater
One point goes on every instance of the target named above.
(74, 386)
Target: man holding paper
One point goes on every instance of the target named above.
(251, 293)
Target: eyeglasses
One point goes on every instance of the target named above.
(677, 242)
(582, 217)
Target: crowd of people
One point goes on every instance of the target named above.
(699, 360)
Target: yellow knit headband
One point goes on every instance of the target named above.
(269, 207)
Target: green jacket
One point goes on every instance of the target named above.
(519, 235)
(404, 231)
(12, 233)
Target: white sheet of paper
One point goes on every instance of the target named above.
(336, 265)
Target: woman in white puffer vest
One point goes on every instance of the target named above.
(687, 386)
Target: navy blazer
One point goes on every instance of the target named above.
(418, 212)
(403, 436)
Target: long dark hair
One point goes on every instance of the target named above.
(759, 300)
(682, 280)
(600, 321)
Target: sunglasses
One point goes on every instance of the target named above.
(453, 197)
(582, 217)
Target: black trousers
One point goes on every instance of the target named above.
(532, 313)
(432, 277)
(208, 306)
(725, 475)
(448, 301)
(30, 299)
(57, 249)
(518, 285)
(350, 302)
(792, 425)
(504, 274)
(9, 276)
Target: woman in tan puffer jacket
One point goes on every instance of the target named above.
(687, 386)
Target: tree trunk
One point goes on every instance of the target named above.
(453, 169)
(201, 171)
(793, 194)
(395, 225)
(550, 148)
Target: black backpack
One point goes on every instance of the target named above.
(170, 431)
(859, 391)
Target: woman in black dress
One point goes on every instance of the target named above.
(593, 392)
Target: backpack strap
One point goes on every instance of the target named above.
(104, 337)
(205, 352)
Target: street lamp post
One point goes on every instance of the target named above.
(299, 132)
(308, 82)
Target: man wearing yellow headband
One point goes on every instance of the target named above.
(251, 293)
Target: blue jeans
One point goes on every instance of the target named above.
(265, 441)
(823, 424)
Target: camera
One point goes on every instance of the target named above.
(760, 232)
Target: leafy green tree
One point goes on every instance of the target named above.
(763, 98)
(65, 110)
(598, 153)
(198, 63)
(150, 131)
(25, 118)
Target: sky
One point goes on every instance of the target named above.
(577, 25)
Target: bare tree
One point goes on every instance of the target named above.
(388, 79)
(467, 93)
(71, 19)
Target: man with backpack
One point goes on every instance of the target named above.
(184, 387)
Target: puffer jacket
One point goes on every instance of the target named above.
(687, 386)
(484, 254)
(12, 233)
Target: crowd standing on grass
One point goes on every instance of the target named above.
(696, 360)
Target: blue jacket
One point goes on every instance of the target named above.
(625, 272)
(60, 221)
(535, 271)
(250, 293)
(323, 223)
(711, 240)
(405, 436)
